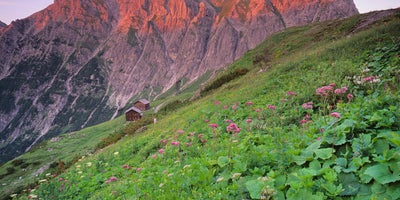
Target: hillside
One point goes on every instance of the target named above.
(81, 62)
(311, 113)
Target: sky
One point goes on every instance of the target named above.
(18, 9)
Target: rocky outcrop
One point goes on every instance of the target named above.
(2, 24)
(80, 62)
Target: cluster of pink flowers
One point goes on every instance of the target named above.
(271, 107)
(335, 114)
(161, 151)
(249, 120)
(126, 166)
(181, 131)
(290, 93)
(188, 144)
(305, 120)
(164, 141)
(369, 79)
(308, 105)
(232, 128)
(324, 90)
(111, 179)
(235, 105)
(213, 126)
(341, 90)
(249, 103)
(216, 102)
(175, 143)
(350, 96)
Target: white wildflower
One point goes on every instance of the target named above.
(236, 175)
(220, 179)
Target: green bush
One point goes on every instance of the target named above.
(225, 78)
(17, 162)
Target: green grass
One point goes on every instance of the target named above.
(68, 148)
(274, 156)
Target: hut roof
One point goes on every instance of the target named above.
(134, 109)
(144, 101)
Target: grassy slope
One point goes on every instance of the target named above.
(273, 155)
(67, 148)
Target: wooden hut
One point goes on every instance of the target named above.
(142, 104)
(133, 114)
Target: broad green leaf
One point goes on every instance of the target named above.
(315, 165)
(293, 194)
(223, 161)
(332, 189)
(382, 174)
(350, 184)
(341, 162)
(324, 153)
(240, 166)
(255, 188)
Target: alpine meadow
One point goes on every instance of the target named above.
(313, 112)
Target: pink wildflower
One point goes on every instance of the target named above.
(283, 100)
(126, 166)
(249, 120)
(344, 89)
(200, 135)
(154, 156)
(324, 90)
(216, 102)
(163, 141)
(332, 84)
(138, 169)
(350, 96)
(188, 144)
(207, 120)
(111, 179)
(335, 114)
(271, 107)
(303, 121)
(338, 91)
(232, 128)
(61, 179)
(161, 151)
(203, 141)
(290, 93)
(226, 107)
(213, 125)
(175, 143)
(228, 121)
(257, 110)
(249, 103)
(308, 105)
(181, 131)
(369, 79)
(234, 106)
(191, 134)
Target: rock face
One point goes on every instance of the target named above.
(2, 24)
(80, 62)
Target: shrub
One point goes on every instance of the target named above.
(17, 162)
(10, 170)
(225, 78)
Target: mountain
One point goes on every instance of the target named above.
(2, 24)
(79, 62)
(292, 143)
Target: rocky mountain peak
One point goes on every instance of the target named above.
(80, 62)
(2, 24)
